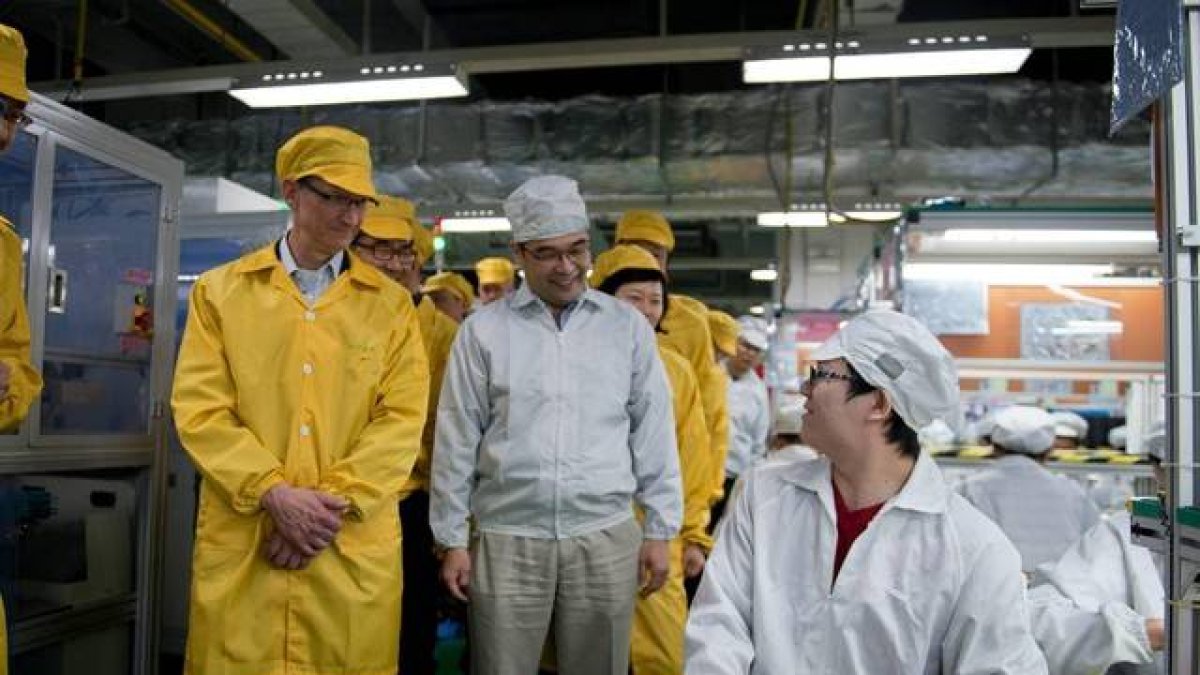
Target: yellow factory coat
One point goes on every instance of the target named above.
(25, 383)
(437, 332)
(332, 398)
(656, 647)
(685, 330)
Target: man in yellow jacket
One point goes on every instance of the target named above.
(656, 645)
(393, 241)
(20, 382)
(451, 294)
(685, 330)
(300, 394)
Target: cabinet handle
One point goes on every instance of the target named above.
(56, 296)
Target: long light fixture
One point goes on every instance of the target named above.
(1022, 274)
(475, 221)
(925, 56)
(815, 215)
(1018, 236)
(766, 274)
(374, 82)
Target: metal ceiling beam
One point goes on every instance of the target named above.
(1043, 33)
(296, 27)
(418, 18)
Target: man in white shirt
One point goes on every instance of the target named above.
(863, 561)
(554, 420)
(1040, 512)
(749, 408)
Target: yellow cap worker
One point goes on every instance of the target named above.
(20, 383)
(451, 293)
(300, 393)
(725, 331)
(631, 274)
(496, 277)
(685, 329)
(393, 240)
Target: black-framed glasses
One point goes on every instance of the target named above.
(817, 374)
(12, 113)
(383, 250)
(576, 254)
(340, 202)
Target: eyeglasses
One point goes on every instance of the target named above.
(383, 250)
(340, 202)
(576, 254)
(12, 114)
(817, 374)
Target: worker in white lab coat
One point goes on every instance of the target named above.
(1100, 608)
(1041, 512)
(863, 561)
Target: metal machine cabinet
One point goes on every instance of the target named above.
(82, 481)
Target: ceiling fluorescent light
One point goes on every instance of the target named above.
(1017, 236)
(915, 57)
(1010, 274)
(793, 219)
(764, 275)
(387, 82)
(476, 224)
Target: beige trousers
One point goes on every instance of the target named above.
(583, 588)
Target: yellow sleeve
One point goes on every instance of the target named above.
(373, 473)
(226, 452)
(439, 338)
(693, 442)
(714, 386)
(25, 383)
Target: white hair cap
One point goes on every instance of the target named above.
(898, 354)
(545, 207)
(1069, 425)
(1023, 429)
(789, 416)
(754, 332)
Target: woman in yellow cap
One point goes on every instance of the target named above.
(20, 383)
(631, 274)
(496, 279)
(451, 293)
(393, 241)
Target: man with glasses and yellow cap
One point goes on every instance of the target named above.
(300, 392)
(554, 421)
(496, 279)
(451, 294)
(685, 330)
(20, 383)
(393, 240)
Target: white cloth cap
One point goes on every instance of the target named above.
(1023, 429)
(545, 207)
(754, 332)
(789, 417)
(1069, 425)
(899, 355)
(938, 435)
(1118, 437)
(1155, 441)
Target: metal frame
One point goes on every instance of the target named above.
(30, 451)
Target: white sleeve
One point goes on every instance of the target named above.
(719, 637)
(762, 424)
(989, 630)
(1080, 642)
(462, 418)
(652, 439)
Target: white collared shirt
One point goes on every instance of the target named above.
(749, 422)
(552, 432)
(312, 283)
(930, 587)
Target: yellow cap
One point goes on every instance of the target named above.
(422, 243)
(390, 218)
(638, 225)
(621, 257)
(725, 330)
(494, 271)
(453, 282)
(338, 156)
(12, 64)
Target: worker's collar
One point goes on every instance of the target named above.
(925, 491)
(332, 268)
(269, 257)
(524, 297)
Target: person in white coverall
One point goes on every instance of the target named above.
(863, 561)
(1041, 513)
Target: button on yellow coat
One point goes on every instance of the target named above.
(25, 383)
(685, 330)
(437, 332)
(250, 417)
(656, 647)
